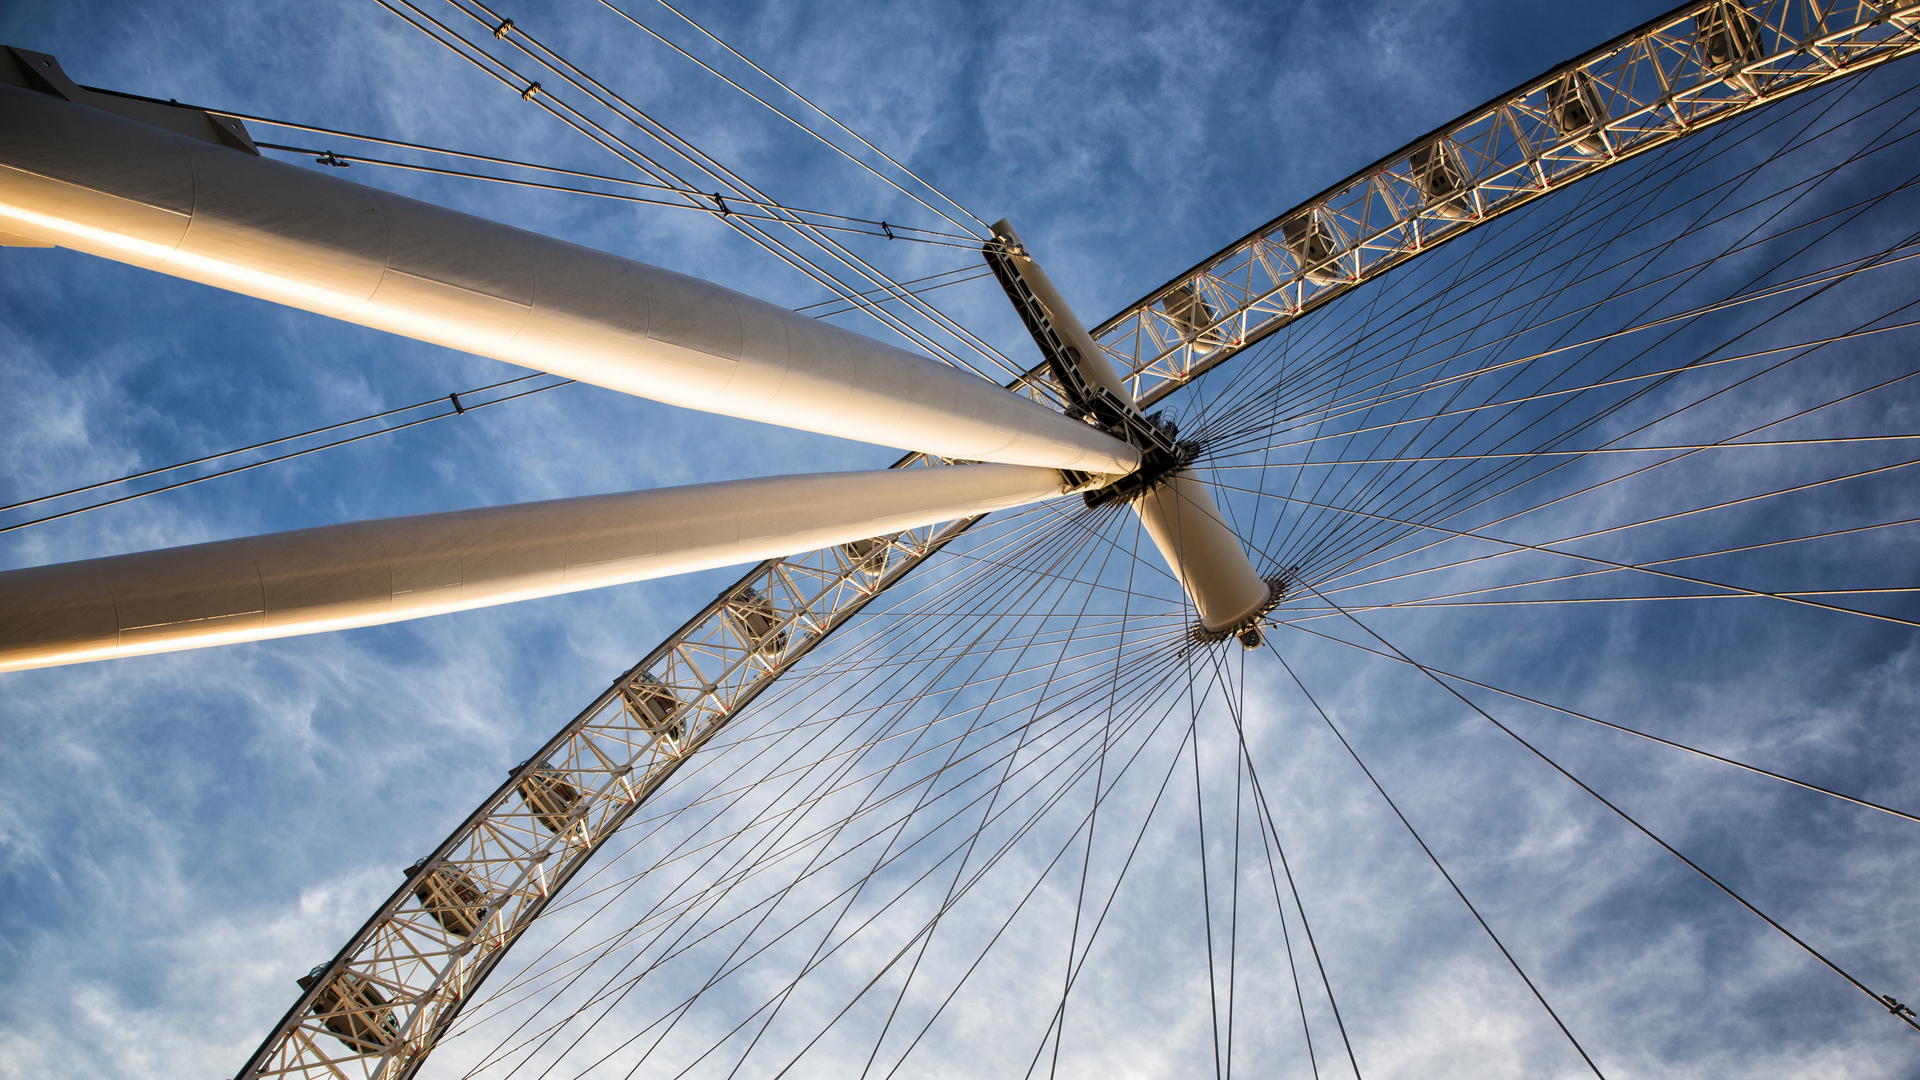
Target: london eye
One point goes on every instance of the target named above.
(1461, 623)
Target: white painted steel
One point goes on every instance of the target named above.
(1180, 514)
(406, 951)
(369, 572)
(86, 179)
(1644, 89)
(1203, 551)
(1094, 367)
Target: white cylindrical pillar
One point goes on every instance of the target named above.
(1205, 555)
(369, 572)
(87, 179)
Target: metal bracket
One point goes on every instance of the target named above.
(41, 72)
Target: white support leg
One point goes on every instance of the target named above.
(83, 177)
(369, 572)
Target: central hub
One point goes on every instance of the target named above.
(1173, 503)
(1161, 455)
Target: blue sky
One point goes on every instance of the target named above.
(180, 836)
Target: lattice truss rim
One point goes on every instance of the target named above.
(380, 1005)
(1653, 85)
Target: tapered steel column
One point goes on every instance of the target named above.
(1179, 513)
(370, 572)
(85, 178)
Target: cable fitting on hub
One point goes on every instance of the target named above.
(1251, 631)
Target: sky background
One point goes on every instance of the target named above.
(182, 835)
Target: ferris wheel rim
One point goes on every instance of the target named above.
(713, 610)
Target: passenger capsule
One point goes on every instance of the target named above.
(551, 798)
(1574, 103)
(1728, 37)
(354, 1011)
(1190, 312)
(755, 621)
(1439, 176)
(451, 896)
(654, 706)
(869, 556)
(1311, 243)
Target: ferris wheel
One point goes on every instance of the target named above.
(1082, 738)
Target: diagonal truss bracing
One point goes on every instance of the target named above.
(379, 1007)
(1702, 63)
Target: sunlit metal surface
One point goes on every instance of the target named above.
(1698, 65)
(1673, 76)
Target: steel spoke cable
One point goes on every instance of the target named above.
(1694, 750)
(548, 58)
(1433, 601)
(784, 116)
(1437, 865)
(1093, 812)
(932, 236)
(1533, 240)
(1867, 200)
(1050, 679)
(1530, 242)
(1644, 427)
(1603, 483)
(1272, 844)
(1453, 283)
(1830, 440)
(1588, 421)
(1471, 535)
(1215, 448)
(1639, 285)
(604, 866)
(1146, 821)
(263, 445)
(1220, 445)
(456, 411)
(1622, 477)
(1899, 1011)
(1674, 516)
(1234, 699)
(621, 148)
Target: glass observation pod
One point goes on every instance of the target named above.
(551, 798)
(758, 625)
(354, 1011)
(1574, 103)
(1438, 174)
(1728, 37)
(1193, 316)
(1313, 247)
(869, 556)
(451, 896)
(655, 707)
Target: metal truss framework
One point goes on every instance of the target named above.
(1700, 64)
(379, 1007)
